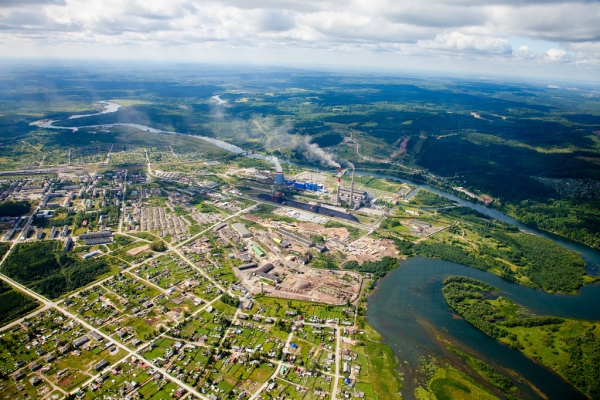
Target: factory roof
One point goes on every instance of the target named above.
(241, 230)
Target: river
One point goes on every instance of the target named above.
(409, 310)
(113, 107)
(218, 99)
(408, 307)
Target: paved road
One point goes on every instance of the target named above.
(337, 375)
(279, 363)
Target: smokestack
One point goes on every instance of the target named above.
(352, 190)
(339, 182)
(279, 178)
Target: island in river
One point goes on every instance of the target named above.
(570, 347)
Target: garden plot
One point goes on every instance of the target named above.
(219, 270)
(230, 376)
(51, 348)
(300, 310)
(313, 384)
(96, 305)
(204, 329)
(299, 384)
(176, 276)
(142, 318)
(300, 351)
(189, 367)
(316, 334)
(166, 271)
(252, 339)
(131, 379)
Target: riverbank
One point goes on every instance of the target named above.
(473, 239)
(570, 347)
(408, 309)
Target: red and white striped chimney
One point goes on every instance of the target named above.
(339, 182)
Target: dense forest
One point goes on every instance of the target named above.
(14, 208)
(13, 304)
(577, 219)
(4, 246)
(555, 342)
(45, 268)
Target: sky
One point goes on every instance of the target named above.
(551, 39)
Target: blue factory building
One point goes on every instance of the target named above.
(311, 186)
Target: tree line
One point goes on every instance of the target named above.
(47, 269)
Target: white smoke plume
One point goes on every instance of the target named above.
(279, 137)
(275, 162)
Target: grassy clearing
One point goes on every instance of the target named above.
(449, 384)
(378, 373)
(129, 102)
(486, 371)
(378, 184)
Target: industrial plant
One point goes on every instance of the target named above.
(354, 199)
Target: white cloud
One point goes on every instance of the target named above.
(556, 55)
(455, 29)
(524, 52)
(458, 42)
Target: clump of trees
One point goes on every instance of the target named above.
(495, 377)
(13, 304)
(471, 281)
(229, 300)
(465, 297)
(583, 367)
(430, 199)
(378, 269)
(158, 245)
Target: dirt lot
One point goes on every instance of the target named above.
(300, 282)
(340, 234)
(138, 250)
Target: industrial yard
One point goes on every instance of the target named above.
(293, 280)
